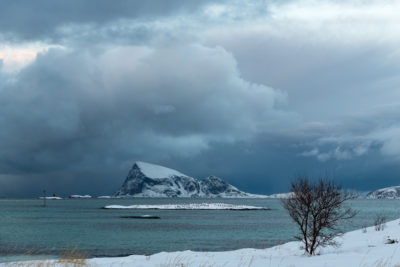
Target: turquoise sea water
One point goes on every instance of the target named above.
(28, 227)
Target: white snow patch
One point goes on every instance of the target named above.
(155, 171)
(80, 196)
(193, 206)
(281, 195)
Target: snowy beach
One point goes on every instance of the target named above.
(364, 247)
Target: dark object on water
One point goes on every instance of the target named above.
(44, 198)
(141, 217)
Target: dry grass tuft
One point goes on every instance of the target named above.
(73, 258)
(70, 258)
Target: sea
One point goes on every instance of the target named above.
(28, 229)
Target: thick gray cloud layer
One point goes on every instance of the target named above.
(183, 97)
(43, 19)
(74, 110)
(254, 92)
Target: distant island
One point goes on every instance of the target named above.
(147, 180)
(150, 180)
(392, 192)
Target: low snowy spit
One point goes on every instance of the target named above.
(51, 198)
(192, 206)
(80, 196)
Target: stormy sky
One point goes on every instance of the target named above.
(254, 92)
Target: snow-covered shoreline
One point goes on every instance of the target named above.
(191, 206)
(368, 248)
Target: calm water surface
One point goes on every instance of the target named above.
(25, 225)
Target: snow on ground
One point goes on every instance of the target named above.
(155, 171)
(359, 248)
(192, 206)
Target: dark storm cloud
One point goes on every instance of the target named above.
(40, 19)
(252, 91)
(74, 111)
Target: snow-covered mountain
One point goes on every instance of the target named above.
(149, 180)
(392, 192)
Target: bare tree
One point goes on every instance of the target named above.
(380, 222)
(317, 207)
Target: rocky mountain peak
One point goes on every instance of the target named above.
(151, 180)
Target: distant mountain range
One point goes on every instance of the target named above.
(150, 180)
(392, 192)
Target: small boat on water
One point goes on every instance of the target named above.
(141, 217)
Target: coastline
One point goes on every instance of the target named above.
(358, 248)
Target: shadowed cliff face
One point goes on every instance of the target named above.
(214, 185)
(139, 184)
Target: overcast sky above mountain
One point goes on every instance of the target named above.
(252, 91)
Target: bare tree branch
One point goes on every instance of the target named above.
(317, 207)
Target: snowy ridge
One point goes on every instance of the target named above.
(192, 206)
(155, 171)
(392, 192)
(150, 180)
